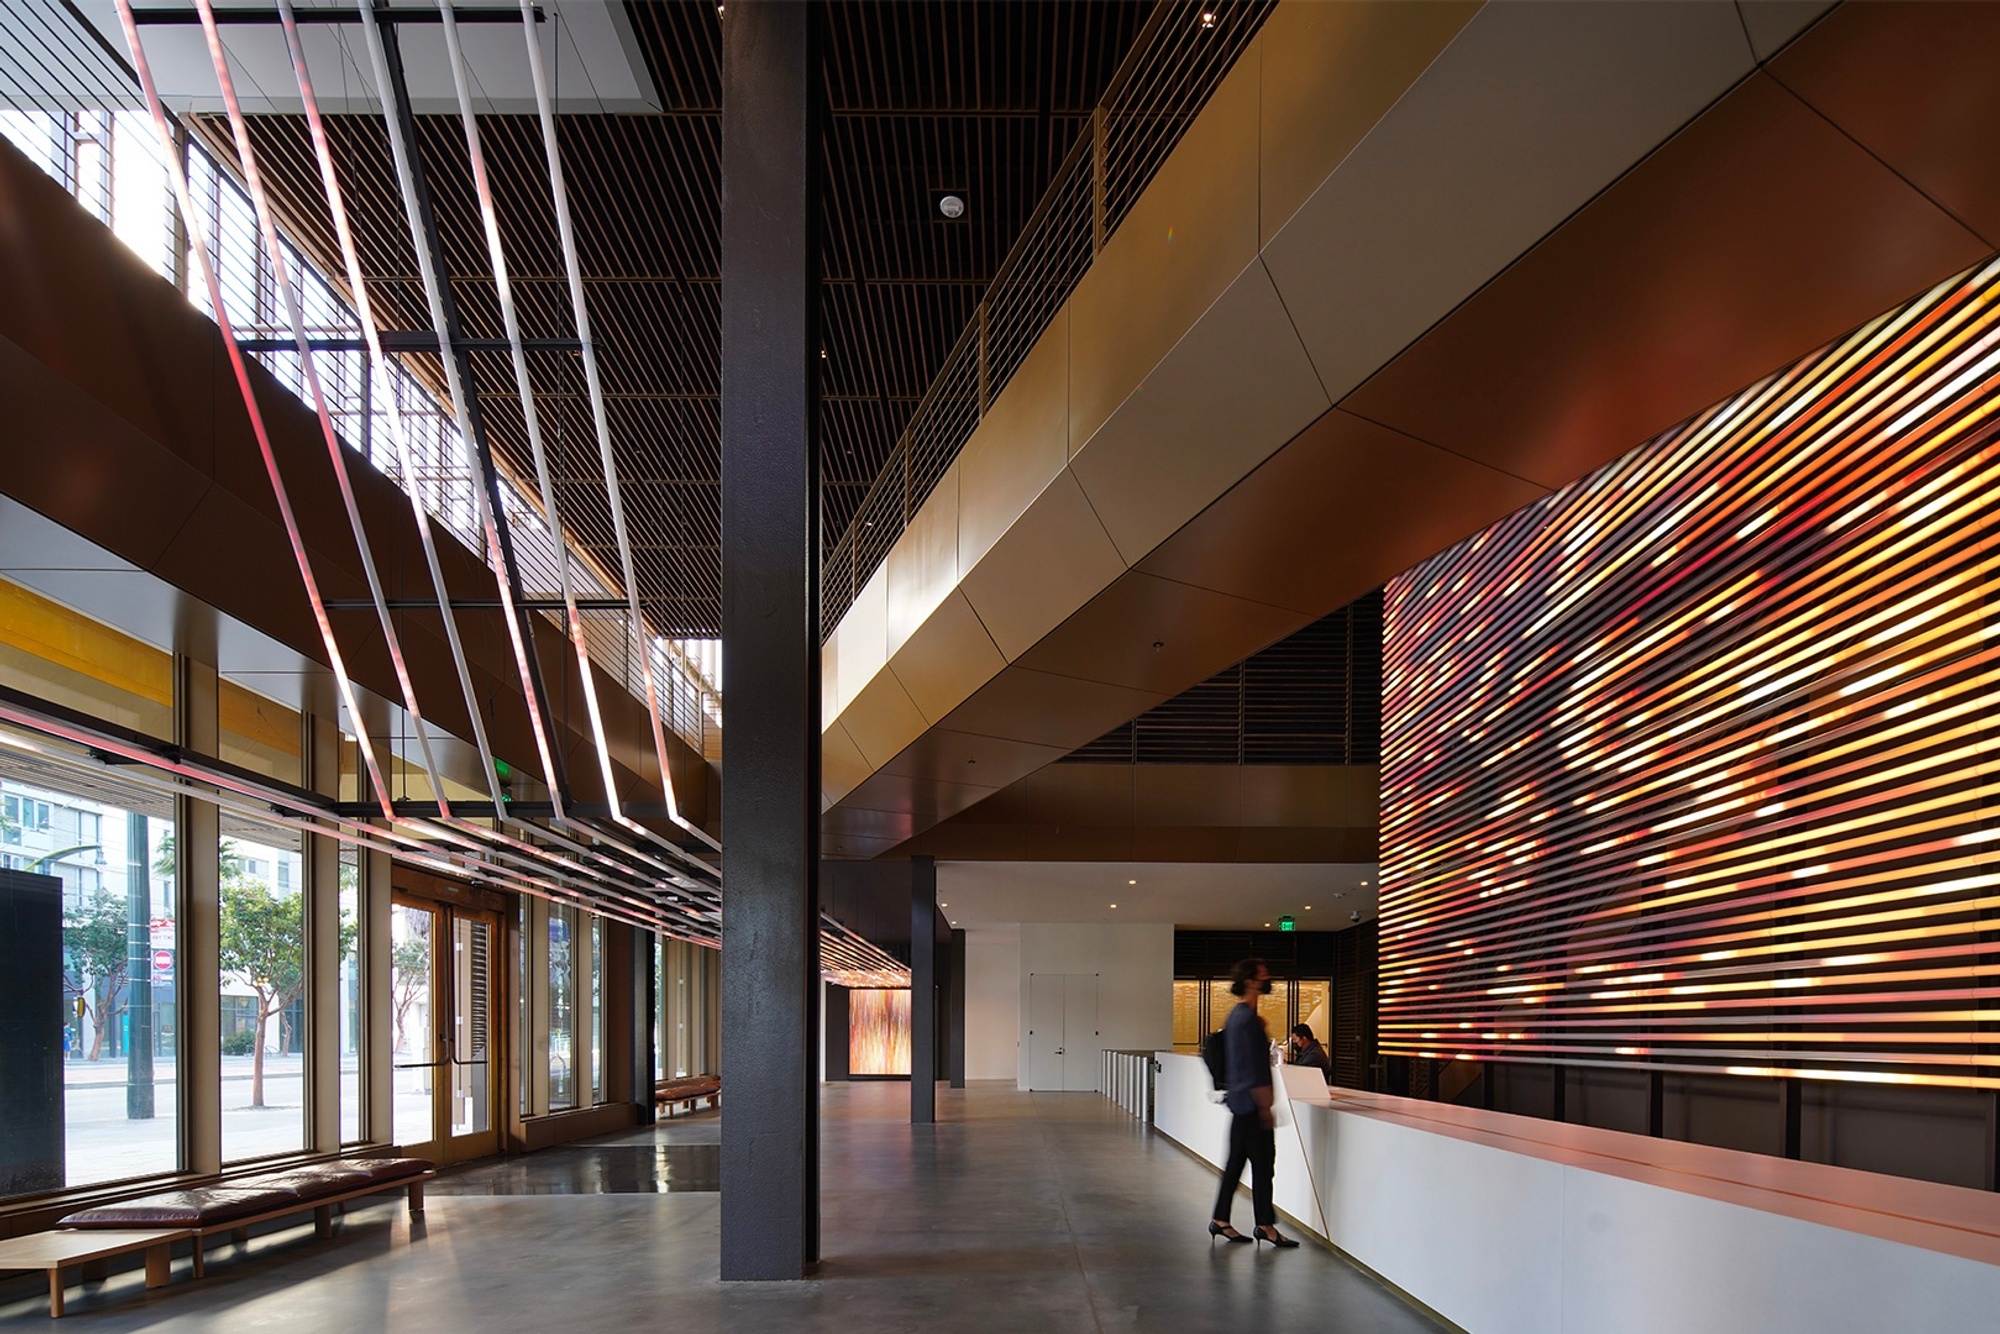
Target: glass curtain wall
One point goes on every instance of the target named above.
(105, 849)
(351, 1002)
(263, 954)
(688, 1010)
(596, 1010)
(562, 1007)
(411, 1042)
(111, 162)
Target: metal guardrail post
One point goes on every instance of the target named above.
(1099, 154)
(985, 377)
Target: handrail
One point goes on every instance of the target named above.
(1182, 54)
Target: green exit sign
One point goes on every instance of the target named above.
(1287, 924)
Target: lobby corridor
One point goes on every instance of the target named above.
(1036, 1212)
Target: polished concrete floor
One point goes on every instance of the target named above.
(1036, 1212)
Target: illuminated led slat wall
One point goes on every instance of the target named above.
(878, 1032)
(1691, 765)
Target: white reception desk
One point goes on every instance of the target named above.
(1512, 1225)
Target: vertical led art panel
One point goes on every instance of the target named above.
(878, 1032)
(1692, 765)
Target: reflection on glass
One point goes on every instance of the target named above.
(525, 1025)
(596, 1010)
(263, 957)
(1315, 1010)
(1275, 1008)
(659, 1007)
(350, 996)
(258, 734)
(66, 658)
(107, 1043)
(1187, 1016)
(1219, 1001)
(410, 932)
(471, 1075)
(562, 1002)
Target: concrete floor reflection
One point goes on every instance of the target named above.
(1043, 1213)
(598, 1169)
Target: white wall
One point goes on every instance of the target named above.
(1509, 1225)
(1135, 980)
(992, 1002)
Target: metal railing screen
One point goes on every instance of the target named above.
(1179, 59)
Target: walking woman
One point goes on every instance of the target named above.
(1251, 1124)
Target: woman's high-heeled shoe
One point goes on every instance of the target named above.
(1276, 1238)
(1226, 1232)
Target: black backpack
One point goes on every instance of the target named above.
(1215, 1053)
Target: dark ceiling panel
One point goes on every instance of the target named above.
(1150, 634)
(1857, 68)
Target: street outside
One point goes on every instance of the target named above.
(103, 1145)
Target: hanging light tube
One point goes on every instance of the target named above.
(510, 319)
(336, 453)
(351, 261)
(382, 374)
(489, 520)
(177, 174)
(600, 419)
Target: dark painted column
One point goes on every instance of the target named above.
(770, 639)
(836, 1033)
(923, 990)
(955, 1035)
(645, 1014)
(31, 1033)
(138, 969)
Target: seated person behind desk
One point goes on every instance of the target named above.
(1307, 1051)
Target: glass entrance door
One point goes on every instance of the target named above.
(443, 975)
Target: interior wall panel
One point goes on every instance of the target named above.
(1690, 766)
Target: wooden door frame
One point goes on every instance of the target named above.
(450, 900)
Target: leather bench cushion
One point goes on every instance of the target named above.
(693, 1086)
(204, 1206)
(309, 1183)
(386, 1170)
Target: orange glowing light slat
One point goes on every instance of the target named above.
(878, 1032)
(1690, 765)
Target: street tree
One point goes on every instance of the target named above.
(96, 963)
(263, 943)
(165, 868)
(410, 971)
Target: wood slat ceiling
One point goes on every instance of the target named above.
(981, 98)
(1314, 697)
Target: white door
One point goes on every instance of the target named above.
(1045, 1030)
(1083, 1053)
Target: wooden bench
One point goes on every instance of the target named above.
(685, 1092)
(237, 1206)
(54, 1251)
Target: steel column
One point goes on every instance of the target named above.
(770, 615)
(645, 1004)
(834, 1066)
(955, 1035)
(923, 990)
(198, 930)
(138, 969)
(1791, 1116)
